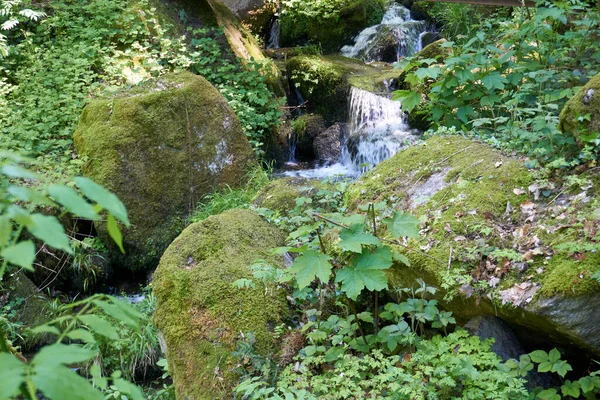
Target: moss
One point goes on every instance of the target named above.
(576, 107)
(435, 50)
(567, 276)
(325, 82)
(201, 314)
(332, 33)
(281, 194)
(160, 147)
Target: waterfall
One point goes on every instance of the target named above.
(396, 36)
(378, 130)
(274, 34)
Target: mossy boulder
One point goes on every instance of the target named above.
(585, 103)
(160, 147)
(331, 33)
(325, 82)
(488, 240)
(201, 314)
(305, 129)
(281, 194)
(435, 50)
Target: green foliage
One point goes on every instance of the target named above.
(12, 14)
(508, 82)
(87, 48)
(49, 371)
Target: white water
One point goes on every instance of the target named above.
(378, 130)
(396, 26)
(274, 35)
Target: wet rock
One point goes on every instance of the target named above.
(202, 315)
(160, 147)
(506, 344)
(328, 144)
(428, 38)
(305, 129)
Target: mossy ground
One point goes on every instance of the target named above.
(200, 313)
(160, 147)
(281, 194)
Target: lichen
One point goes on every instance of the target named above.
(160, 147)
(200, 313)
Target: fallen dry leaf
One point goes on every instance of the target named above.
(498, 164)
(518, 191)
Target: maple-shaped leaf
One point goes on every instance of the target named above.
(310, 265)
(354, 237)
(403, 225)
(366, 270)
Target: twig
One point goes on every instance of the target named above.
(450, 258)
(452, 155)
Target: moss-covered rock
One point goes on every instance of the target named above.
(330, 32)
(199, 312)
(160, 147)
(486, 241)
(585, 103)
(325, 82)
(257, 14)
(281, 194)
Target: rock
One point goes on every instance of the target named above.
(202, 315)
(468, 197)
(328, 145)
(305, 129)
(256, 13)
(435, 50)
(354, 16)
(31, 306)
(281, 194)
(325, 82)
(428, 38)
(506, 344)
(585, 102)
(160, 147)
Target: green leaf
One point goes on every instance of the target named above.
(380, 258)
(122, 311)
(14, 171)
(545, 366)
(408, 99)
(553, 356)
(430, 72)
(106, 199)
(99, 325)
(365, 271)
(73, 201)
(548, 394)
(354, 237)
(114, 232)
(58, 353)
(50, 231)
(561, 368)
(570, 389)
(334, 353)
(81, 334)
(46, 329)
(59, 382)
(538, 356)
(403, 225)
(494, 81)
(310, 265)
(12, 375)
(28, 195)
(5, 230)
(398, 257)
(128, 388)
(21, 254)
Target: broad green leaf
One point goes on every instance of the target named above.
(538, 356)
(403, 225)
(59, 353)
(115, 232)
(355, 280)
(12, 375)
(334, 353)
(121, 310)
(554, 13)
(28, 195)
(106, 199)
(561, 368)
(587, 384)
(21, 254)
(553, 356)
(81, 334)
(128, 388)
(545, 366)
(571, 389)
(494, 81)
(464, 112)
(430, 72)
(14, 171)
(5, 230)
(46, 329)
(303, 231)
(409, 101)
(73, 201)
(99, 325)
(310, 265)
(354, 237)
(380, 258)
(398, 257)
(58, 382)
(548, 394)
(50, 231)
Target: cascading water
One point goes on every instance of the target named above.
(274, 34)
(397, 35)
(377, 130)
